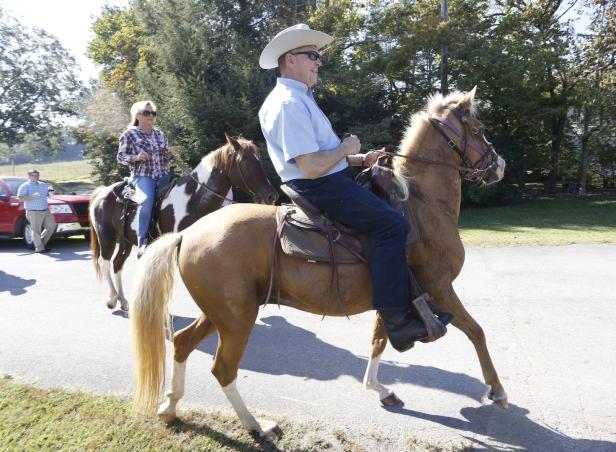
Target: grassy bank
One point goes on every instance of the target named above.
(541, 222)
(73, 171)
(39, 419)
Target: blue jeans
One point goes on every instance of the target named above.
(146, 190)
(343, 200)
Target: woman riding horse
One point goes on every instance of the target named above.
(192, 196)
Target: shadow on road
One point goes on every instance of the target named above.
(273, 348)
(61, 249)
(14, 285)
(511, 426)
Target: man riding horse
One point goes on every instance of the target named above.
(313, 161)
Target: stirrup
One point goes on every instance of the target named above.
(436, 329)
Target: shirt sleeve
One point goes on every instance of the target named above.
(125, 152)
(23, 190)
(295, 132)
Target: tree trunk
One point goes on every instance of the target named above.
(584, 151)
(558, 130)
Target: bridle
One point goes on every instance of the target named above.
(460, 144)
(234, 162)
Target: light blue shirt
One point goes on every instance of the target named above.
(294, 125)
(30, 187)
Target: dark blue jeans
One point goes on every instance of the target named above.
(343, 200)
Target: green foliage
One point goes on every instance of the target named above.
(538, 82)
(38, 86)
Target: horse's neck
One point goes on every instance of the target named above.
(435, 190)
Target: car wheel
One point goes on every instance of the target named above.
(26, 233)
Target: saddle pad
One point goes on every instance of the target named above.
(302, 236)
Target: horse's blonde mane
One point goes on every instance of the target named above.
(222, 157)
(419, 123)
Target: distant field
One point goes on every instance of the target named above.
(541, 222)
(75, 171)
(66, 177)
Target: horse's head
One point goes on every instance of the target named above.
(456, 122)
(246, 171)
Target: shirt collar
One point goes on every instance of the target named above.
(294, 85)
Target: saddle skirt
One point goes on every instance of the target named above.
(315, 238)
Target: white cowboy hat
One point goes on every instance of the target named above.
(299, 35)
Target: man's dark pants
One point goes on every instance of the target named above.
(343, 200)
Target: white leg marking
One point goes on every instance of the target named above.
(166, 411)
(371, 379)
(120, 290)
(113, 295)
(247, 419)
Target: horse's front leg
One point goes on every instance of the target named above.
(371, 381)
(118, 264)
(113, 294)
(464, 322)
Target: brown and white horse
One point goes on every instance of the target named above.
(225, 261)
(193, 196)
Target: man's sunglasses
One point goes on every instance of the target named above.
(148, 113)
(312, 54)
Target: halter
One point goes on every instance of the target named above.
(469, 171)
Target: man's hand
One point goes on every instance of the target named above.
(35, 195)
(351, 145)
(372, 156)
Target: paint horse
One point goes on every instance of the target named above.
(225, 260)
(236, 164)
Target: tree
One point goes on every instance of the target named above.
(38, 85)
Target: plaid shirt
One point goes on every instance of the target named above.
(135, 140)
(29, 188)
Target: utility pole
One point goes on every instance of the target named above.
(444, 85)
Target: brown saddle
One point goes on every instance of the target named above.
(305, 232)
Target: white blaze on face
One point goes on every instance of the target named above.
(500, 169)
(178, 199)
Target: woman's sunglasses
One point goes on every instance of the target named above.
(148, 113)
(312, 54)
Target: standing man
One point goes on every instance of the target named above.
(34, 196)
(310, 158)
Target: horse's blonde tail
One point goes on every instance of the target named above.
(94, 245)
(149, 318)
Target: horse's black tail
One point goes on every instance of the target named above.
(94, 245)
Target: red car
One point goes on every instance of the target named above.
(69, 211)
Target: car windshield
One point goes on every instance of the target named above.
(14, 183)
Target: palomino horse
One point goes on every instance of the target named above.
(225, 261)
(193, 196)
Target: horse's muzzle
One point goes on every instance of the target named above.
(496, 173)
(269, 198)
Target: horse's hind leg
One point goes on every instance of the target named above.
(184, 342)
(464, 322)
(232, 340)
(118, 264)
(371, 380)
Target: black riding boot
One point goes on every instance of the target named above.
(404, 327)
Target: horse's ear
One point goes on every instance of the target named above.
(469, 98)
(232, 142)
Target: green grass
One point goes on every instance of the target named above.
(40, 419)
(66, 177)
(73, 171)
(546, 221)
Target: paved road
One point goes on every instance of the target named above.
(548, 314)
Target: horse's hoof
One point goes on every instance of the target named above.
(124, 306)
(499, 397)
(269, 430)
(391, 400)
(111, 304)
(167, 418)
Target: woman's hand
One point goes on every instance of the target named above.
(372, 156)
(141, 157)
(169, 153)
